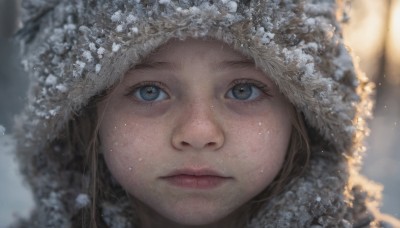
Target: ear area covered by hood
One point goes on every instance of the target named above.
(75, 49)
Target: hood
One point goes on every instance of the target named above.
(75, 49)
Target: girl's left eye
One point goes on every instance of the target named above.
(245, 92)
(149, 93)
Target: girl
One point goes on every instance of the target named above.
(192, 114)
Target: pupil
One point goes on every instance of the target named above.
(149, 93)
(242, 91)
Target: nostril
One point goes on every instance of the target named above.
(185, 143)
(211, 144)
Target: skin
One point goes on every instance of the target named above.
(196, 121)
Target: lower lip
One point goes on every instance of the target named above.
(199, 182)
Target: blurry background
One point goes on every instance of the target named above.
(373, 33)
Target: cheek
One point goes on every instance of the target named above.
(124, 143)
(263, 145)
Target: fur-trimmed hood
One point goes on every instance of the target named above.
(75, 49)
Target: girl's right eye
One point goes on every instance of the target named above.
(148, 93)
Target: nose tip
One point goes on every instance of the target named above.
(198, 131)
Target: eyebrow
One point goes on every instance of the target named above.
(235, 64)
(149, 65)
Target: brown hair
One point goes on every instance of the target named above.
(296, 162)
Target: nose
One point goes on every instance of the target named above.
(198, 129)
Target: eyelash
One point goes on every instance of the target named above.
(259, 85)
(134, 88)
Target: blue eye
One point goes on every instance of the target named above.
(149, 93)
(244, 91)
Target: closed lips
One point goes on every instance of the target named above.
(200, 179)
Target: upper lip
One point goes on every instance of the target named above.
(194, 172)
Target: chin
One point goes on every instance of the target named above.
(196, 217)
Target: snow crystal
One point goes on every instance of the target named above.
(62, 88)
(69, 27)
(2, 130)
(80, 65)
(88, 56)
(135, 30)
(116, 16)
(310, 21)
(82, 200)
(309, 68)
(131, 18)
(119, 28)
(98, 68)
(53, 112)
(266, 37)
(115, 47)
(101, 52)
(92, 47)
(232, 6)
(313, 46)
(51, 80)
(79, 68)
(318, 199)
(194, 10)
(53, 201)
(164, 2)
(84, 29)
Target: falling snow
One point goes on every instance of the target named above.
(82, 200)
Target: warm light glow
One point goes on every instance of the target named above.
(365, 33)
(393, 50)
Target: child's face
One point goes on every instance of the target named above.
(195, 106)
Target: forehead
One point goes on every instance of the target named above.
(191, 49)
